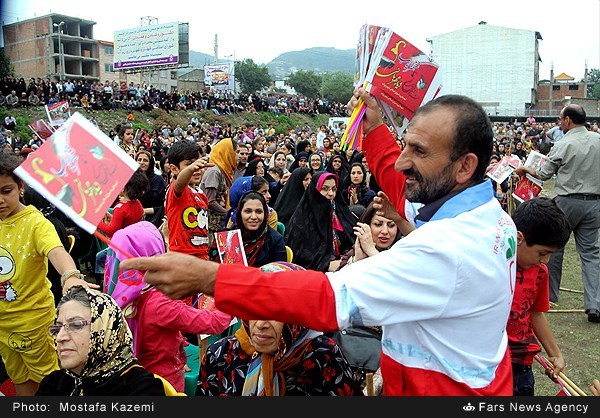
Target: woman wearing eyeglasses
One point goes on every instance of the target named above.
(321, 228)
(95, 350)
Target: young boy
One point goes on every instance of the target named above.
(186, 205)
(28, 241)
(542, 228)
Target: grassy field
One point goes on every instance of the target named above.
(578, 339)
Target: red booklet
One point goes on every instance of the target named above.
(528, 188)
(404, 77)
(231, 247)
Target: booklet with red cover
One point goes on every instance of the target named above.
(528, 188)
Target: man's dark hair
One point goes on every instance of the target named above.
(472, 131)
(137, 185)
(542, 222)
(8, 163)
(575, 112)
(184, 149)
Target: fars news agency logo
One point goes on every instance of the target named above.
(468, 407)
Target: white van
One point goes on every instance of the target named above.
(335, 122)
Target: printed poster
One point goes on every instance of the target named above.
(535, 160)
(80, 170)
(58, 113)
(504, 168)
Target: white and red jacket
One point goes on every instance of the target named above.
(442, 294)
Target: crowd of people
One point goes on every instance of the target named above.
(111, 95)
(405, 236)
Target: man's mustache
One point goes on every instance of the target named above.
(410, 172)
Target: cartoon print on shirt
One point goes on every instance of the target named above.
(7, 272)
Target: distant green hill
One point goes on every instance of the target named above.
(319, 60)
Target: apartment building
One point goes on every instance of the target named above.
(55, 46)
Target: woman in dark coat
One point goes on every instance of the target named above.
(291, 194)
(321, 228)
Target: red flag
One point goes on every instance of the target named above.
(80, 170)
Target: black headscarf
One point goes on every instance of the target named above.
(309, 231)
(251, 170)
(344, 170)
(300, 156)
(290, 195)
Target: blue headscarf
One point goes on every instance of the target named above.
(237, 190)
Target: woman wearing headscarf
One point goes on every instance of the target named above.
(303, 146)
(217, 180)
(271, 358)
(262, 244)
(316, 162)
(153, 200)
(338, 165)
(355, 190)
(237, 190)
(292, 193)
(320, 230)
(95, 350)
(300, 161)
(369, 177)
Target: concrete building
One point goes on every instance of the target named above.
(37, 47)
(553, 93)
(191, 79)
(498, 67)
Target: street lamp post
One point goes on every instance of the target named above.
(60, 54)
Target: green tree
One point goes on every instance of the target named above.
(307, 83)
(337, 86)
(594, 84)
(6, 68)
(252, 78)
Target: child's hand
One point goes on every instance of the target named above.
(203, 162)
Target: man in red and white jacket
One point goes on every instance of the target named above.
(442, 294)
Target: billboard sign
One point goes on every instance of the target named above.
(219, 76)
(146, 46)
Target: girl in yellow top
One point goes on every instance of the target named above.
(28, 241)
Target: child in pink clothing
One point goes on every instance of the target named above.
(156, 321)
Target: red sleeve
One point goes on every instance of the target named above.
(295, 297)
(382, 151)
(176, 314)
(116, 222)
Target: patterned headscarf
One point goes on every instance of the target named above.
(111, 341)
(265, 373)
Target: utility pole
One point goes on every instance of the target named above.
(216, 49)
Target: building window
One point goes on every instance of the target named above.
(556, 88)
(573, 87)
(109, 50)
(557, 103)
(109, 68)
(173, 75)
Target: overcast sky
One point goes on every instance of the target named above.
(263, 29)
